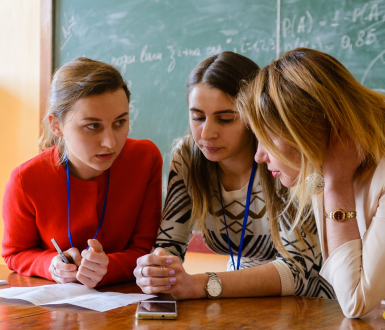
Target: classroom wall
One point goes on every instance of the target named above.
(19, 85)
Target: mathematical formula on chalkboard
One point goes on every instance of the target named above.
(156, 43)
(306, 30)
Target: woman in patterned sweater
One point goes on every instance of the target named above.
(210, 180)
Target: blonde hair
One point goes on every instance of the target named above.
(302, 98)
(76, 80)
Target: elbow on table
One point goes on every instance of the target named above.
(7, 260)
(353, 314)
(355, 309)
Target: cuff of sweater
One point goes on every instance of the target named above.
(287, 280)
(47, 264)
(171, 251)
(109, 277)
(346, 259)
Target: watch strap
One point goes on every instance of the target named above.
(212, 277)
(341, 215)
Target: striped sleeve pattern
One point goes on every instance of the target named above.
(174, 231)
(305, 274)
(258, 247)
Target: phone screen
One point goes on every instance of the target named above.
(156, 310)
(157, 307)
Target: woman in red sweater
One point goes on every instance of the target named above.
(95, 191)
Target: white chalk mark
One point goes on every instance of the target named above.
(70, 26)
(292, 30)
(65, 42)
(370, 66)
(116, 16)
(67, 29)
(311, 21)
(319, 43)
(278, 28)
(229, 33)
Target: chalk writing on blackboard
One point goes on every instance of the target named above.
(67, 29)
(379, 57)
(156, 43)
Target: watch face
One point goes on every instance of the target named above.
(339, 215)
(214, 288)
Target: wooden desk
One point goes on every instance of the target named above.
(243, 313)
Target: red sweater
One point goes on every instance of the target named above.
(35, 211)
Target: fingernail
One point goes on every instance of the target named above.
(168, 286)
(168, 261)
(173, 280)
(171, 272)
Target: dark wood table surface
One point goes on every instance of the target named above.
(241, 313)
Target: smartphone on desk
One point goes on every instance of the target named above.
(156, 310)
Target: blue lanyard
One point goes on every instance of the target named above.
(247, 208)
(69, 202)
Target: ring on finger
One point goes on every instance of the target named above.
(54, 273)
(141, 271)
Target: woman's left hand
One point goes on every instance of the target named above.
(171, 278)
(93, 265)
(183, 287)
(341, 158)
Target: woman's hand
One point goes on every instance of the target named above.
(341, 159)
(94, 264)
(65, 273)
(161, 273)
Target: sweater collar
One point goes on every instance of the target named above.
(75, 182)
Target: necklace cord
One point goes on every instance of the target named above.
(246, 215)
(68, 182)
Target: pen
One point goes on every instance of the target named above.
(58, 249)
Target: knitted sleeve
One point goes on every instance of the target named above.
(302, 278)
(21, 240)
(175, 231)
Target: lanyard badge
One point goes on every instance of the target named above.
(68, 182)
(247, 208)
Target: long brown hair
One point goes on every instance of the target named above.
(76, 80)
(304, 97)
(226, 71)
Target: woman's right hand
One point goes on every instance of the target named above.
(152, 274)
(162, 273)
(65, 273)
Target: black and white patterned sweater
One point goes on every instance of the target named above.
(258, 247)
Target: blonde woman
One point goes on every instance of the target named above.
(213, 180)
(314, 120)
(95, 191)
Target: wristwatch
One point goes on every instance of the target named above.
(341, 215)
(214, 286)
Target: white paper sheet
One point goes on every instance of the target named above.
(74, 294)
(104, 301)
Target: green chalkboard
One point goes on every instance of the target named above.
(156, 43)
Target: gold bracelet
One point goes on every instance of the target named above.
(340, 215)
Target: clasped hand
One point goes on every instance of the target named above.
(161, 273)
(88, 268)
(341, 159)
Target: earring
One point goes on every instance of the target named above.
(315, 183)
